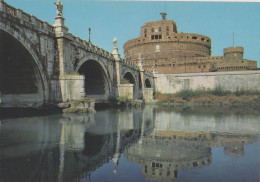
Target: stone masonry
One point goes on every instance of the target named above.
(44, 64)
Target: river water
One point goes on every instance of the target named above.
(150, 144)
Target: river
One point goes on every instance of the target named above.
(150, 144)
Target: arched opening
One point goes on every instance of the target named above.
(19, 74)
(148, 83)
(129, 78)
(96, 84)
(94, 144)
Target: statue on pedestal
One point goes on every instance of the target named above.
(59, 6)
(115, 43)
(115, 52)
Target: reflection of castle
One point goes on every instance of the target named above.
(161, 45)
(161, 157)
(179, 142)
(161, 154)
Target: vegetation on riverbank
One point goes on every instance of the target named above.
(215, 96)
(124, 102)
(84, 105)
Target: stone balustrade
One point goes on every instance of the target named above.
(17, 13)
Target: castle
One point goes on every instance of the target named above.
(165, 50)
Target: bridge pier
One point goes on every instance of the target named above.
(72, 85)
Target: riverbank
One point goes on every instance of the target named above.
(211, 97)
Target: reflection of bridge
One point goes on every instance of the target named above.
(67, 147)
(43, 64)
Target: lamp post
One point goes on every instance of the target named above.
(89, 34)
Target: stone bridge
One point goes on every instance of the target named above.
(42, 64)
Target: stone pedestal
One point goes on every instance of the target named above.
(126, 90)
(60, 26)
(73, 94)
(148, 94)
(72, 87)
(140, 65)
(116, 56)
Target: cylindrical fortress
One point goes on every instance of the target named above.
(233, 53)
(160, 40)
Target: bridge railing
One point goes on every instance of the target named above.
(91, 47)
(25, 16)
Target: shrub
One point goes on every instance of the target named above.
(219, 91)
(203, 95)
(123, 102)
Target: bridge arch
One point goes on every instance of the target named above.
(97, 84)
(23, 81)
(129, 78)
(147, 83)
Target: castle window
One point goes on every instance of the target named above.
(145, 31)
(194, 37)
(152, 30)
(157, 48)
(187, 37)
(160, 36)
(145, 35)
(199, 66)
(168, 173)
(167, 28)
(203, 39)
(152, 37)
(156, 36)
(207, 40)
(160, 29)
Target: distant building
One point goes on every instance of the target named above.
(161, 46)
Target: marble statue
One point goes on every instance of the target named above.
(59, 6)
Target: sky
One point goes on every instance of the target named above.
(123, 20)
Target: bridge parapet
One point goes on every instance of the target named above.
(148, 73)
(25, 17)
(135, 67)
(91, 47)
(129, 64)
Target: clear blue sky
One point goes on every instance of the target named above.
(123, 19)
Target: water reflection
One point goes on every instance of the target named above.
(70, 147)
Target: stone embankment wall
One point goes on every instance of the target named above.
(172, 83)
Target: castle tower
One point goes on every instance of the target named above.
(233, 53)
(160, 44)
